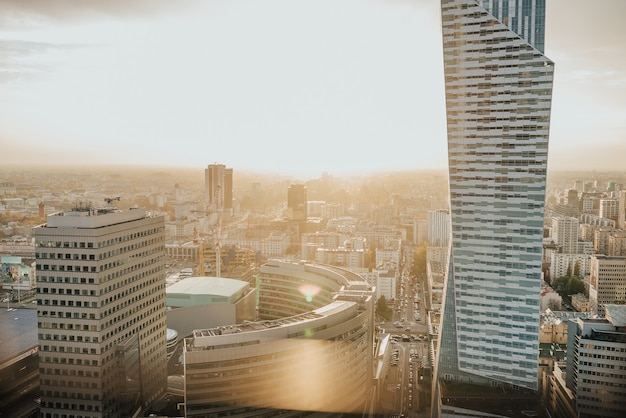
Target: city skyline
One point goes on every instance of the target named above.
(347, 87)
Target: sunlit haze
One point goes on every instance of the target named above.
(299, 87)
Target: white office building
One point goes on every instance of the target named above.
(101, 312)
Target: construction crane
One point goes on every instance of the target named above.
(218, 246)
(200, 242)
(218, 243)
(111, 199)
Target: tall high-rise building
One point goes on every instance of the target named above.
(565, 233)
(438, 228)
(607, 282)
(297, 202)
(101, 312)
(498, 85)
(218, 186)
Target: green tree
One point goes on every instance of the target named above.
(419, 261)
(568, 273)
(381, 303)
(577, 269)
(382, 309)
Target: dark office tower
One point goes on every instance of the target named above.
(100, 312)
(218, 186)
(498, 85)
(228, 188)
(296, 203)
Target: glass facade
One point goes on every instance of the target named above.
(498, 97)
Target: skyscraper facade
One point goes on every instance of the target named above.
(438, 228)
(297, 202)
(498, 85)
(100, 312)
(218, 186)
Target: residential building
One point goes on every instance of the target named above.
(609, 208)
(389, 253)
(607, 282)
(565, 233)
(559, 263)
(438, 228)
(498, 95)
(101, 312)
(621, 209)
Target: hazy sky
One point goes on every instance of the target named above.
(280, 85)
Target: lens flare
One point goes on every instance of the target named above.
(309, 291)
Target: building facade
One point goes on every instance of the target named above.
(595, 364)
(100, 312)
(607, 282)
(438, 228)
(565, 233)
(498, 96)
(297, 202)
(218, 187)
(310, 353)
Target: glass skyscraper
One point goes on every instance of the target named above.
(498, 94)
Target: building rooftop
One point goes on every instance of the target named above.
(616, 314)
(202, 285)
(19, 333)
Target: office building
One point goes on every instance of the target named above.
(565, 233)
(609, 208)
(297, 202)
(498, 86)
(100, 312)
(438, 228)
(621, 209)
(218, 187)
(310, 354)
(596, 355)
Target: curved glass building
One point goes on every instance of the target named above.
(311, 350)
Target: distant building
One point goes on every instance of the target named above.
(580, 302)
(550, 299)
(621, 209)
(565, 233)
(297, 202)
(609, 208)
(389, 253)
(607, 282)
(559, 263)
(101, 312)
(218, 187)
(343, 257)
(438, 228)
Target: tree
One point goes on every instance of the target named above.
(419, 261)
(381, 303)
(568, 285)
(382, 309)
(568, 273)
(577, 269)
